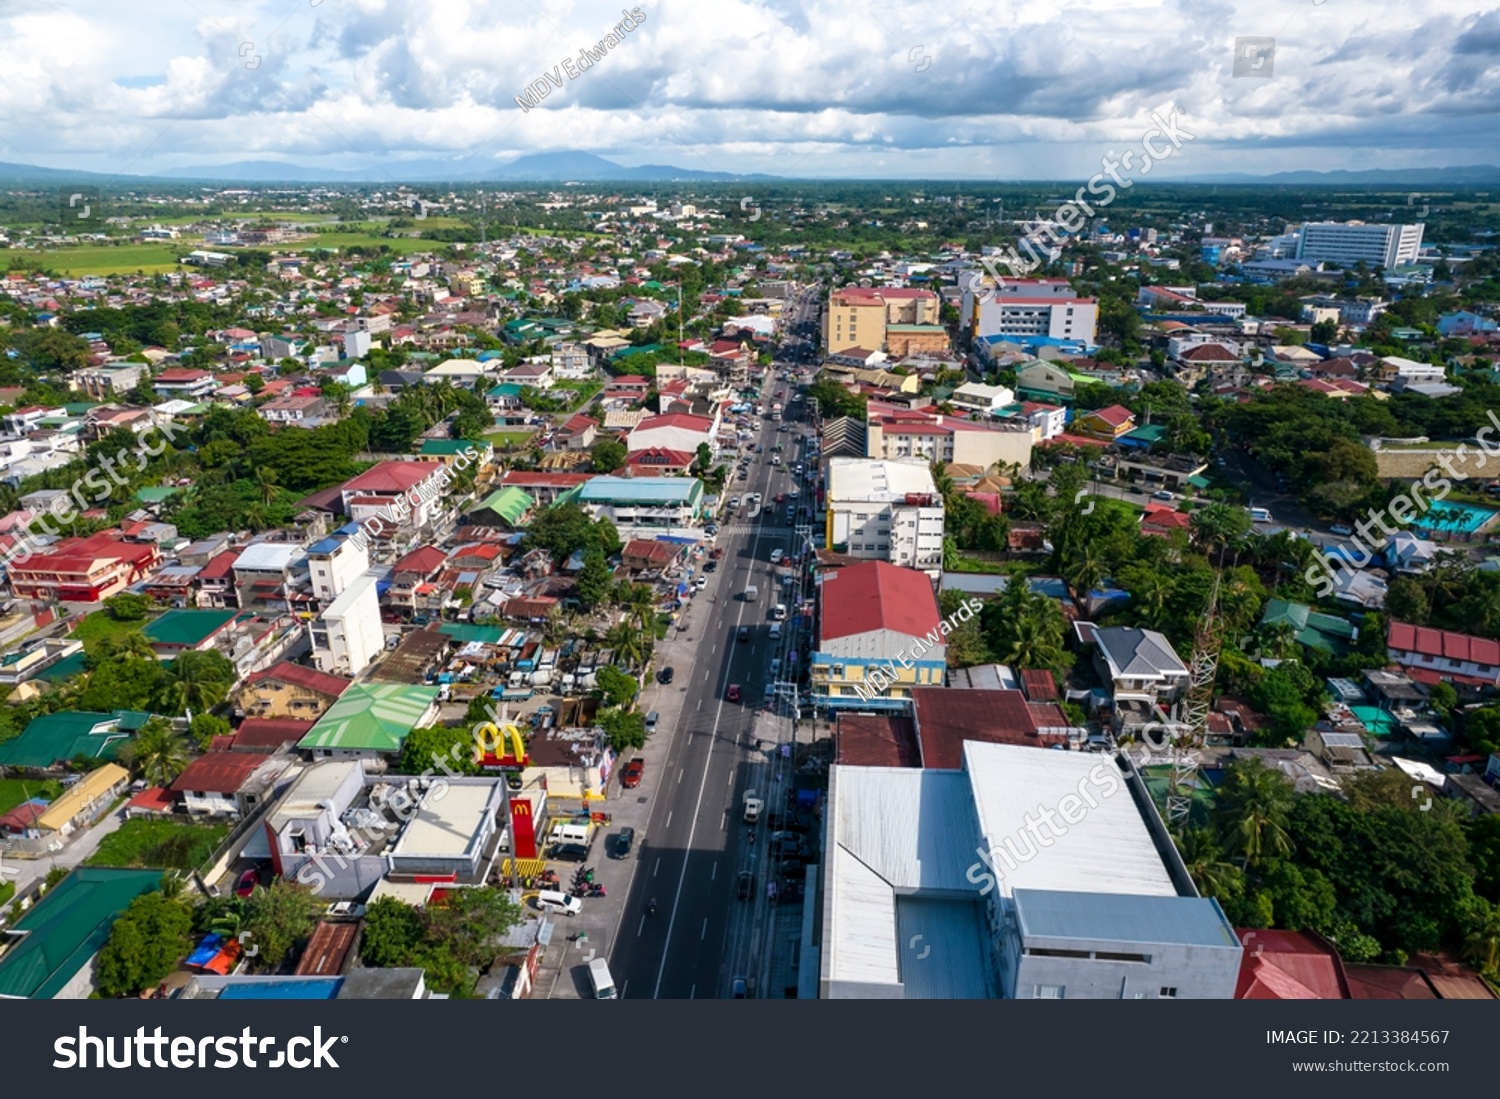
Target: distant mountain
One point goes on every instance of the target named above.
(1465, 176)
(533, 168)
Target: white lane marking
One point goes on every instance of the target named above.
(700, 704)
(680, 772)
(713, 871)
(704, 934)
(669, 818)
(657, 867)
(641, 930)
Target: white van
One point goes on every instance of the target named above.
(602, 982)
(551, 900)
(571, 833)
(776, 555)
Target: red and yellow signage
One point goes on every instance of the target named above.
(491, 742)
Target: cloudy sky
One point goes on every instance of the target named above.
(812, 88)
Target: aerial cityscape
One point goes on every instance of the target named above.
(516, 504)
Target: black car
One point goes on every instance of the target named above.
(744, 633)
(568, 852)
(746, 886)
(710, 566)
(665, 675)
(623, 843)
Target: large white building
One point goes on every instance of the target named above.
(1026, 874)
(886, 510)
(1348, 242)
(348, 636)
(335, 562)
(1028, 307)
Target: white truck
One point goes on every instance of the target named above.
(752, 593)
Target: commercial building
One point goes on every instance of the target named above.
(1023, 874)
(885, 510)
(938, 438)
(371, 719)
(639, 505)
(1347, 243)
(879, 635)
(859, 316)
(1021, 308)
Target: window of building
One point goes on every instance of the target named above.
(1169, 993)
(1047, 992)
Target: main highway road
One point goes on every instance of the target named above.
(696, 844)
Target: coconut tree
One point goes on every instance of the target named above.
(156, 754)
(1482, 945)
(265, 483)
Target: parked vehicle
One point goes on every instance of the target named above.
(633, 772)
(601, 981)
(651, 719)
(568, 852)
(247, 883)
(552, 900)
(665, 675)
(624, 840)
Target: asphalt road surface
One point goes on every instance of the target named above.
(702, 935)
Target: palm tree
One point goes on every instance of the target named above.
(132, 645)
(265, 480)
(1482, 945)
(629, 645)
(157, 754)
(1257, 801)
(1203, 855)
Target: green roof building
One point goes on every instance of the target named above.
(1325, 632)
(465, 633)
(56, 738)
(371, 719)
(442, 448)
(509, 504)
(155, 494)
(53, 944)
(179, 630)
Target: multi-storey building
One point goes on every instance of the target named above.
(1020, 308)
(1349, 242)
(886, 510)
(858, 316)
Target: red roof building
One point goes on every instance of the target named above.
(1443, 654)
(945, 717)
(268, 734)
(877, 740)
(1289, 965)
(875, 596)
(83, 570)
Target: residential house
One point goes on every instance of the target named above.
(288, 690)
(1105, 424)
(231, 784)
(1142, 670)
(83, 570)
(1431, 655)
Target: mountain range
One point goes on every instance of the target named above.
(583, 167)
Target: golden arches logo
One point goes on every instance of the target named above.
(490, 740)
(520, 808)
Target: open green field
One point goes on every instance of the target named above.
(104, 259)
(400, 245)
(502, 439)
(99, 625)
(165, 844)
(14, 791)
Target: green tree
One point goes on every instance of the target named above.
(617, 688)
(594, 580)
(393, 931)
(145, 944)
(279, 918)
(128, 607)
(626, 729)
(608, 455)
(207, 726)
(428, 749)
(156, 753)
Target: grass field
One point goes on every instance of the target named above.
(104, 259)
(163, 844)
(99, 625)
(501, 439)
(14, 791)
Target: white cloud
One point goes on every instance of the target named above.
(810, 87)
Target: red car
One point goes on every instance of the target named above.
(634, 771)
(734, 693)
(780, 496)
(248, 881)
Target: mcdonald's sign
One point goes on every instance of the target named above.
(491, 742)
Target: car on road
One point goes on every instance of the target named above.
(665, 675)
(1137, 490)
(777, 554)
(634, 771)
(711, 529)
(780, 497)
(733, 694)
(746, 885)
(651, 720)
(776, 667)
(744, 633)
(700, 583)
(568, 852)
(247, 883)
(624, 840)
(1163, 495)
(1342, 528)
(738, 988)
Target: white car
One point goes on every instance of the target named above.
(1163, 495)
(776, 556)
(700, 583)
(776, 667)
(1342, 528)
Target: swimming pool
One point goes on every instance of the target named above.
(318, 988)
(1442, 515)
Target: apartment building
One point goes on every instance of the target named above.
(858, 316)
(105, 383)
(879, 636)
(886, 510)
(937, 438)
(1349, 242)
(1018, 308)
(348, 636)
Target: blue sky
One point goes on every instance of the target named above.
(992, 90)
